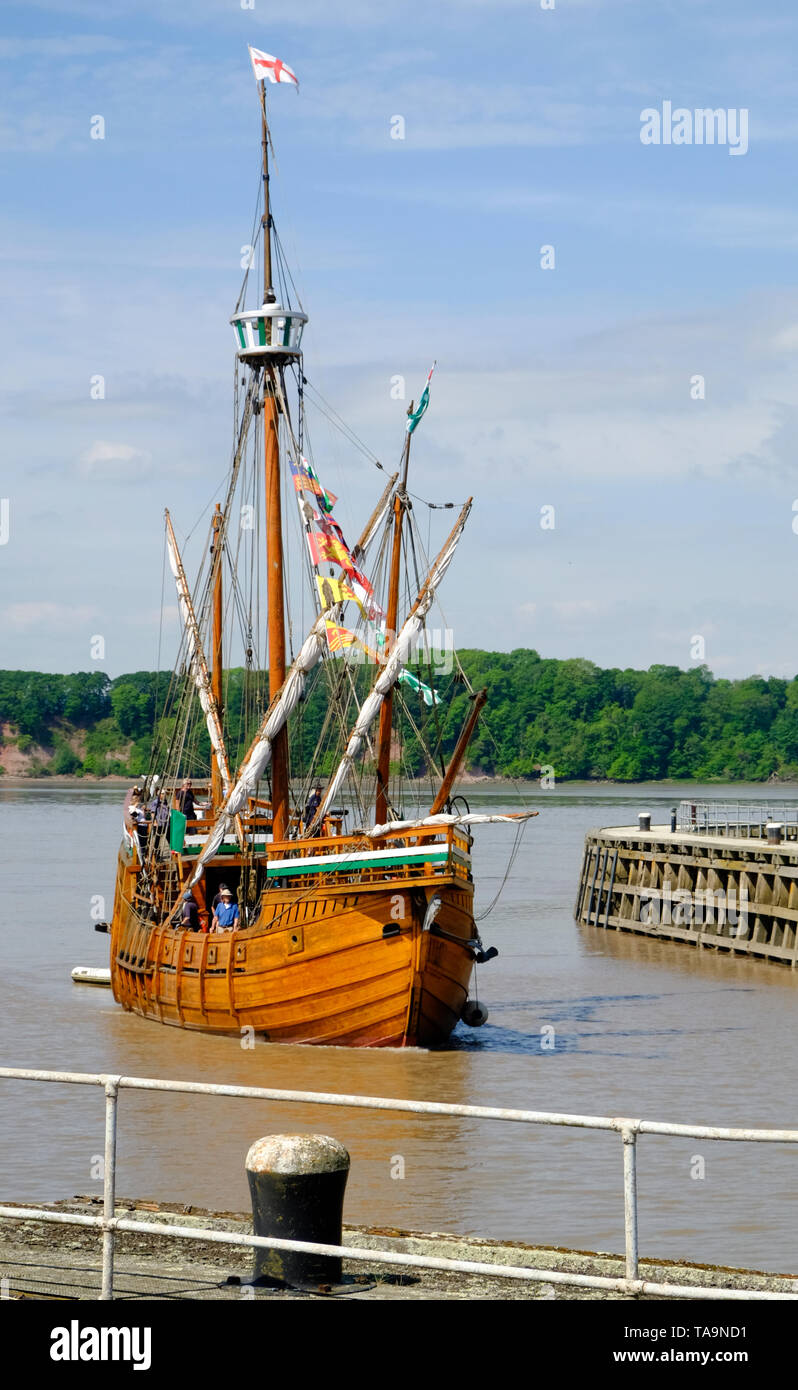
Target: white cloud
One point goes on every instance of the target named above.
(120, 462)
(46, 616)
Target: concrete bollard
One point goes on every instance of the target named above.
(774, 830)
(644, 820)
(297, 1184)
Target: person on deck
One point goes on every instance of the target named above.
(190, 919)
(185, 801)
(138, 815)
(226, 917)
(159, 811)
(314, 802)
(222, 890)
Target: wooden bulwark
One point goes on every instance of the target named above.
(738, 895)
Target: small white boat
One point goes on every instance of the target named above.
(92, 975)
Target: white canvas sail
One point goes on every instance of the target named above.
(198, 664)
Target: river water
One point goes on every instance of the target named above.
(641, 1028)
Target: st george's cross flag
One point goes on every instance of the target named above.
(270, 69)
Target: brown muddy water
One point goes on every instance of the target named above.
(641, 1028)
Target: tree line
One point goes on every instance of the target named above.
(570, 716)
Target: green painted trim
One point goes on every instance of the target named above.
(262, 332)
(240, 331)
(307, 866)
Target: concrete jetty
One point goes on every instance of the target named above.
(727, 881)
(55, 1262)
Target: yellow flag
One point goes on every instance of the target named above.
(333, 591)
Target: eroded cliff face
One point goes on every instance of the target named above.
(65, 755)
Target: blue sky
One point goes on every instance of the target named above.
(568, 387)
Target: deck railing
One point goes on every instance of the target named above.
(628, 1129)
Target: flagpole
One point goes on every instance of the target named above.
(266, 220)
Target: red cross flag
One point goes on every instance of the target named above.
(270, 69)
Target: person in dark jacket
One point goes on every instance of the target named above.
(314, 802)
(190, 920)
(185, 801)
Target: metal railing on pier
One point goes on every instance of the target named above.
(744, 819)
(628, 1129)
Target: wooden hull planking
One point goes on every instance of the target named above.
(319, 966)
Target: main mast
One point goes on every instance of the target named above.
(274, 525)
(268, 338)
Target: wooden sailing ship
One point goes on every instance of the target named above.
(363, 936)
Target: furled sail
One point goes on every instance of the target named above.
(390, 672)
(198, 664)
(443, 820)
(260, 750)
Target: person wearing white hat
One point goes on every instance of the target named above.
(226, 917)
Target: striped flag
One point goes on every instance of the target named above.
(339, 638)
(428, 695)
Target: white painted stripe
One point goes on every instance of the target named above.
(200, 840)
(425, 853)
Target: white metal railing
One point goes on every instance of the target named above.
(742, 818)
(109, 1223)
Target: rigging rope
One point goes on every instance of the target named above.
(519, 835)
(334, 418)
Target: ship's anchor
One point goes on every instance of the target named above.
(480, 955)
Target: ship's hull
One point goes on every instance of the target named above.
(359, 965)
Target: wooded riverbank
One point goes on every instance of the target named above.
(569, 719)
